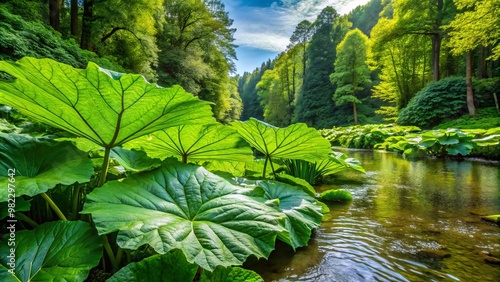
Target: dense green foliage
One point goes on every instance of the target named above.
(411, 43)
(364, 136)
(19, 38)
(486, 118)
(143, 209)
(247, 87)
(441, 142)
(444, 99)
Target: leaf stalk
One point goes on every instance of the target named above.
(54, 207)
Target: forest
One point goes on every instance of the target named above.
(367, 66)
(132, 150)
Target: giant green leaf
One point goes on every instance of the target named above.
(490, 140)
(40, 164)
(103, 106)
(183, 206)
(230, 274)
(201, 142)
(296, 141)
(54, 251)
(337, 162)
(171, 267)
(302, 212)
(133, 160)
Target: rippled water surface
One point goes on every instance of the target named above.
(409, 221)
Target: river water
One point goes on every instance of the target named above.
(408, 221)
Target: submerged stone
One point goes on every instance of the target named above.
(433, 254)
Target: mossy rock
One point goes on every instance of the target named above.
(337, 195)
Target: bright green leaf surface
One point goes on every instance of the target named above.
(461, 148)
(132, 160)
(230, 274)
(202, 142)
(186, 207)
(487, 141)
(90, 103)
(171, 267)
(298, 182)
(302, 213)
(338, 161)
(54, 251)
(296, 141)
(40, 164)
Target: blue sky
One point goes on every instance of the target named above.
(264, 27)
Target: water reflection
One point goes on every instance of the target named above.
(409, 221)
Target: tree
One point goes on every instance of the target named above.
(87, 18)
(197, 51)
(314, 104)
(248, 92)
(351, 72)
(301, 35)
(404, 65)
(278, 87)
(74, 17)
(422, 17)
(55, 14)
(475, 26)
(366, 17)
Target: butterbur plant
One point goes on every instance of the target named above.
(103, 106)
(194, 222)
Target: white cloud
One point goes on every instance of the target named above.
(270, 28)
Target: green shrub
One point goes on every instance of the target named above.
(445, 99)
(486, 118)
(337, 195)
(364, 136)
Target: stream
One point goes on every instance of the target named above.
(408, 221)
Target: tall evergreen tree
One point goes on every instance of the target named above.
(351, 72)
(314, 104)
(247, 87)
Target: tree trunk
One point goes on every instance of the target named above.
(470, 95)
(436, 40)
(436, 51)
(55, 14)
(74, 17)
(88, 6)
(355, 114)
(481, 64)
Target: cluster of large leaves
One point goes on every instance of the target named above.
(441, 142)
(181, 206)
(54, 251)
(105, 107)
(40, 164)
